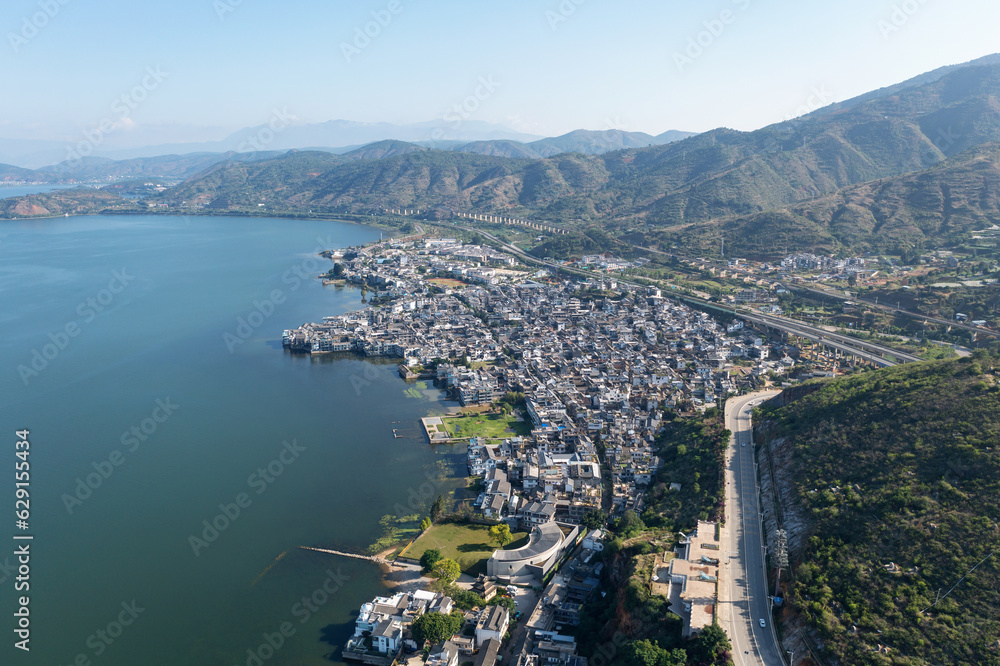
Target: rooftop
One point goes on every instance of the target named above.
(543, 538)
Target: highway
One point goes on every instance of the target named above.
(839, 295)
(868, 351)
(744, 595)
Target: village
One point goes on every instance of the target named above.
(567, 385)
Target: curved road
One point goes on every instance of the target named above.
(743, 593)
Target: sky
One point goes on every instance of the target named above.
(195, 70)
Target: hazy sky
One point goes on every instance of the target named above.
(198, 69)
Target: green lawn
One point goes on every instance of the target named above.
(490, 426)
(469, 545)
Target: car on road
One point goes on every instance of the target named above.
(762, 622)
(743, 444)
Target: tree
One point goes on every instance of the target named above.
(512, 398)
(500, 534)
(712, 646)
(506, 602)
(630, 524)
(447, 570)
(425, 523)
(649, 653)
(595, 519)
(430, 558)
(437, 508)
(436, 627)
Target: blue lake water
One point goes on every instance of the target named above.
(144, 355)
(8, 191)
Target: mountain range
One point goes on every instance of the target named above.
(912, 163)
(339, 137)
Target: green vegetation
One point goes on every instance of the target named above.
(430, 557)
(897, 472)
(446, 569)
(61, 202)
(649, 653)
(693, 451)
(394, 530)
(467, 544)
(500, 535)
(595, 519)
(437, 508)
(436, 627)
(490, 426)
(506, 602)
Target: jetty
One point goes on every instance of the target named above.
(370, 558)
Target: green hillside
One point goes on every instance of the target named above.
(749, 177)
(939, 206)
(915, 163)
(896, 476)
(78, 201)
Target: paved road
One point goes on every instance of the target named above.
(743, 599)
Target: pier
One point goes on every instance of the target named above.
(370, 558)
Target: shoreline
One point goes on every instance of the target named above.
(153, 212)
(396, 574)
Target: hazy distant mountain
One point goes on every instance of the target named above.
(180, 166)
(9, 173)
(282, 133)
(174, 167)
(499, 148)
(31, 154)
(383, 149)
(587, 142)
(343, 136)
(597, 142)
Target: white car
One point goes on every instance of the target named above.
(762, 622)
(743, 444)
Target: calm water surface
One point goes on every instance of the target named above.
(151, 403)
(7, 191)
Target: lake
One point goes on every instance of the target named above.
(179, 456)
(8, 191)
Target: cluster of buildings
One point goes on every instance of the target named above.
(609, 263)
(550, 627)
(693, 578)
(807, 261)
(595, 370)
(382, 631)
